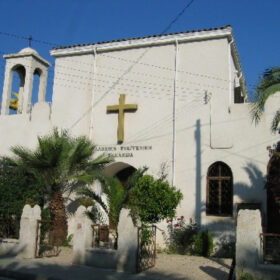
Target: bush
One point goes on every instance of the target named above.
(248, 276)
(17, 188)
(181, 236)
(67, 242)
(203, 244)
(153, 200)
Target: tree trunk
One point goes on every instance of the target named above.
(58, 233)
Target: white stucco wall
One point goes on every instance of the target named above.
(23, 129)
(217, 130)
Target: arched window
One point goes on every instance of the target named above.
(219, 199)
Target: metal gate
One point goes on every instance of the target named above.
(46, 245)
(271, 248)
(146, 252)
(273, 194)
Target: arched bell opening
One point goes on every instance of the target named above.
(36, 85)
(17, 89)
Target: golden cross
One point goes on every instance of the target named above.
(121, 109)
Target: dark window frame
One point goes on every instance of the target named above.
(223, 181)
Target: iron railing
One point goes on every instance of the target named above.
(46, 241)
(270, 244)
(103, 238)
(146, 252)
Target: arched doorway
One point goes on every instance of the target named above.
(122, 171)
(273, 195)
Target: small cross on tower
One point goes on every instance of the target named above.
(121, 109)
(29, 41)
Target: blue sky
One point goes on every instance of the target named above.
(66, 22)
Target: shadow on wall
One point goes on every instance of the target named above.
(72, 206)
(254, 192)
(252, 196)
(198, 205)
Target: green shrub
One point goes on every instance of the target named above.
(67, 242)
(153, 200)
(17, 188)
(248, 276)
(203, 245)
(87, 202)
(181, 236)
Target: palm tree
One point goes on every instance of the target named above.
(268, 86)
(60, 163)
(117, 196)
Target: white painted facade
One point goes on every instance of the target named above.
(187, 116)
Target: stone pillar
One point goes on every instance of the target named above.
(28, 87)
(20, 99)
(127, 243)
(82, 239)
(6, 96)
(28, 230)
(248, 246)
(42, 87)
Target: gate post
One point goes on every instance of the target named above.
(28, 230)
(82, 239)
(127, 243)
(248, 249)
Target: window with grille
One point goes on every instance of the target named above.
(219, 190)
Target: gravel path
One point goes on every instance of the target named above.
(192, 267)
(169, 266)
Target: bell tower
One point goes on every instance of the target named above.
(26, 63)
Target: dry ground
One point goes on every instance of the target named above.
(176, 266)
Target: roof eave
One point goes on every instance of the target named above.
(142, 42)
(16, 55)
(238, 65)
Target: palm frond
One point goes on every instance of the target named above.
(268, 85)
(275, 121)
(131, 182)
(95, 215)
(89, 193)
(60, 161)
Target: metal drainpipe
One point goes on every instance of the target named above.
(92, 96)
(174, 115)
(229, 70)
(239, 77)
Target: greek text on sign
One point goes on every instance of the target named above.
(122, 151)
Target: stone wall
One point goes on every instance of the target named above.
(25, 246)
(122, 259)
(9, 246)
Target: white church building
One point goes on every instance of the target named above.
(175, 100)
